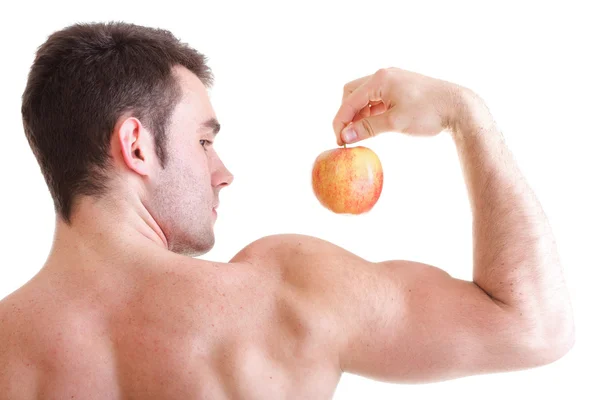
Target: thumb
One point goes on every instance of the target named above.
(367, 127)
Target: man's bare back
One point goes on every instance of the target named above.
(172, 327)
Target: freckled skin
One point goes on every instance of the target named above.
(348, 180)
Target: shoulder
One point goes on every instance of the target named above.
(316, 270)
(307, 269)
(13, 316)
(312, 264)
(16, 376)
(285, 248)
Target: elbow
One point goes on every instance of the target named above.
(558, 347)
(547, 345)
(546, 329)
(564, 342)
(566, 346)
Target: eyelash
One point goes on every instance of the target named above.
(206, 142)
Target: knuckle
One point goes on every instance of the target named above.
(382, 74)
(383, 79)
(348, 89)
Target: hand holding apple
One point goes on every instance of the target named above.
(396, 100)
(349, 180)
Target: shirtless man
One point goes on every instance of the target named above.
(120, 121)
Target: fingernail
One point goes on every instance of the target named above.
(349, 135)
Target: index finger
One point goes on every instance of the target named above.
(351, 86)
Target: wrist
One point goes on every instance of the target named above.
(470, 116)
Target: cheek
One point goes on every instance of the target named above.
(193, 168)
(198, 176)
(201, 171)
(192, 165)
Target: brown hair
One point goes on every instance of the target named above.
(84, 77)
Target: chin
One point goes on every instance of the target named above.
(195, 248)
(192, 252)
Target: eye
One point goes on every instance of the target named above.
(204, 143)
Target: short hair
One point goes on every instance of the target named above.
(86, 76)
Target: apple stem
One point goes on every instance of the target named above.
(344, 145)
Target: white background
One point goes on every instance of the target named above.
(280, 68)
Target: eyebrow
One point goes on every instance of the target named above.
(212, 124)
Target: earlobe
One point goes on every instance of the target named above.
(132, 146)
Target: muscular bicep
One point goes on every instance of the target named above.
(398, 321)
(403, 321)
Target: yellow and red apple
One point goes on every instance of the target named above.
(348, 180)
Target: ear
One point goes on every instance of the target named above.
(135, 145)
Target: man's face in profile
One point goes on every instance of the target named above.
(182, 197)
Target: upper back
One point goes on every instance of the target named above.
(187, 330)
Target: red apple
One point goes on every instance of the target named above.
(348, 180)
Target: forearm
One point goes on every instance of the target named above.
(515, 259)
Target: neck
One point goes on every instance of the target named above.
(103, 230)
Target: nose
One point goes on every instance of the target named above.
(222, 176)
(227, 178)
